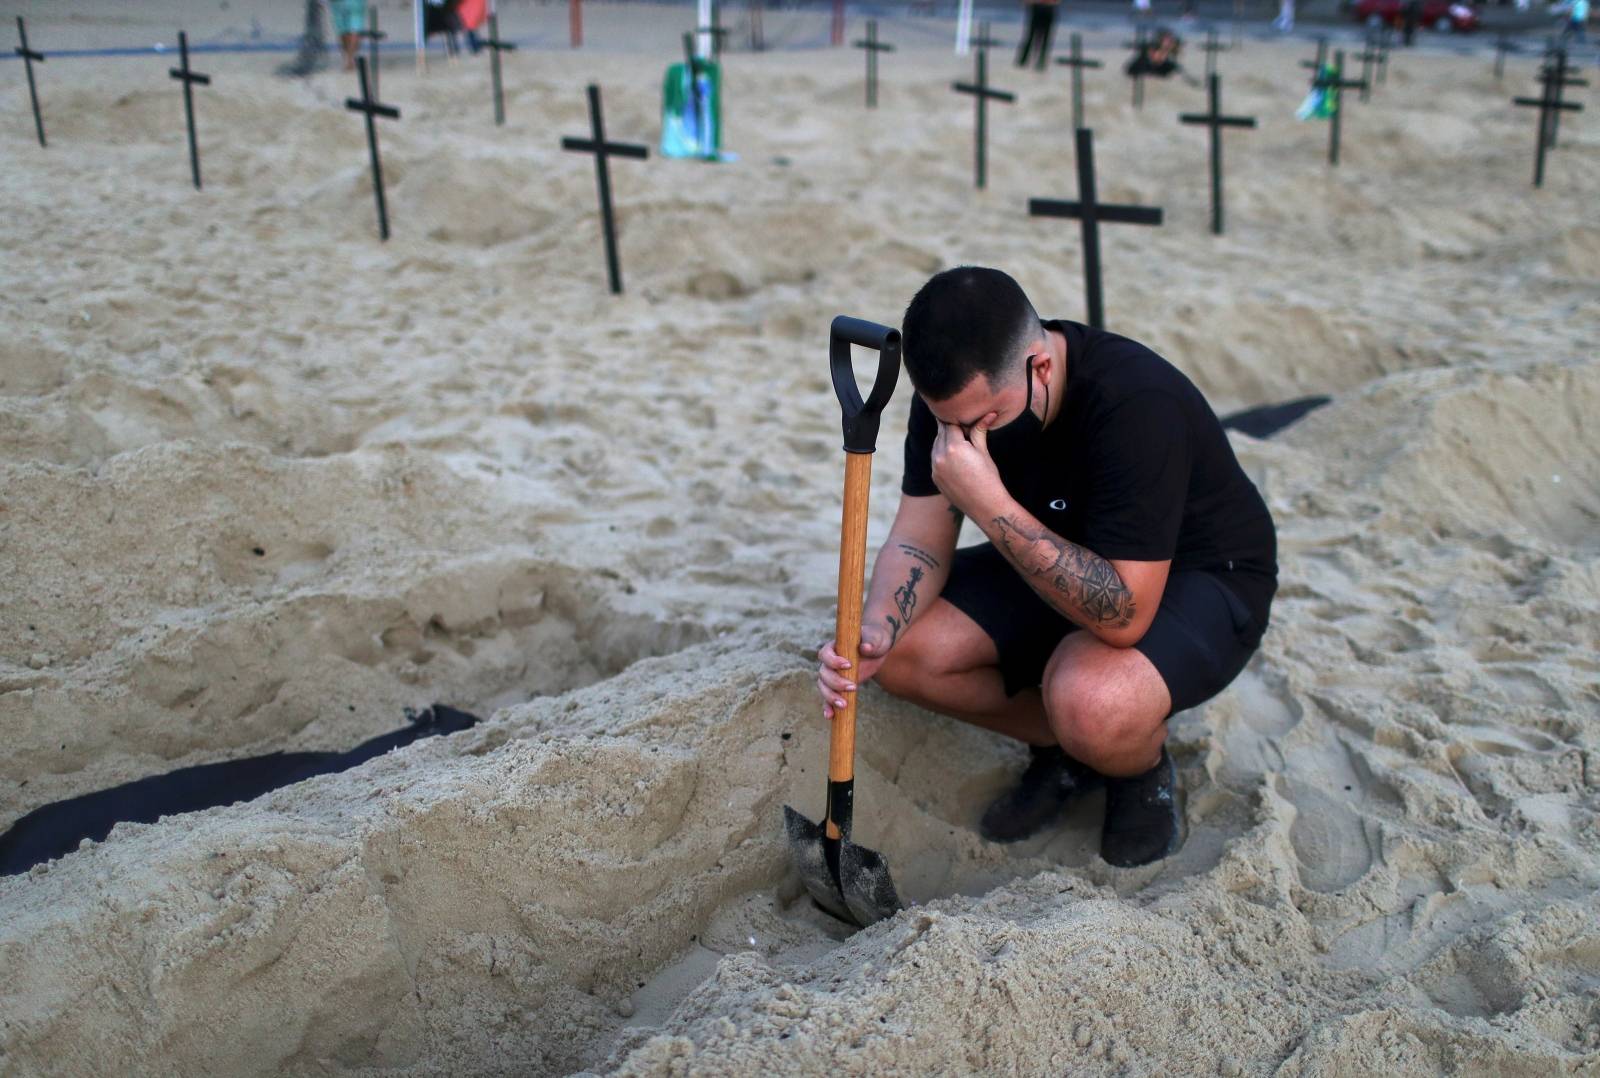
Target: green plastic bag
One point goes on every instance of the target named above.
(687, 130)
(1322, 102)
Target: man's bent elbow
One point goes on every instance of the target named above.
(1125, 636)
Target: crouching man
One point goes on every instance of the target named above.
(1128, 572)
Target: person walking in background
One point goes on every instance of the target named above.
(1041, 22)
(1577, 19)
(1410, 19)
(349, 21)
(1284, 23)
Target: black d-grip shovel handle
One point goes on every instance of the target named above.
(861, 417)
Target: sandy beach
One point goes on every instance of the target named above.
(265, 482)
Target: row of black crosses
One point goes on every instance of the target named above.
(369, 105)
(1088, 210)
(597, 145)
(183, 73)
(191, 78)
(1374, 58)
(1554, 77)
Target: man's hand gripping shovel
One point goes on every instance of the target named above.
(849, 881)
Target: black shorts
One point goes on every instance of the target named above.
(1202, 635)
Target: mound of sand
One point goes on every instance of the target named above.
(265, 482)
(1496, 450)
(329, 593)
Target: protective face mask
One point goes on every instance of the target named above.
(1013, 445)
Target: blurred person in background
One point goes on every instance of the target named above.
(1041, 22)
(349, 22)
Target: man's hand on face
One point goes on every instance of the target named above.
(963, 470)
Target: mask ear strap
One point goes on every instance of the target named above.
(1044, 418)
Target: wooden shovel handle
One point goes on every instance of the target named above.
(847, 629)
(860, 438)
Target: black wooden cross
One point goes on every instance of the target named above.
(1335, 84)
(496, 47)
(1561, 79)
(1552, 48)
(1322, 56)
(1141, 41)
(373, 36)
(1550, 105)
(1090, 213)
(983, 40)
(1214, 119)
(1076, 60)
(28, 57)
(1369, 55)
(1212, 47)
(367, 104)
(873, 47)
(603, 151)
(189, 79)
(1502, 45)
(981, 93)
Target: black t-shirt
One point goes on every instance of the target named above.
(1136, 466)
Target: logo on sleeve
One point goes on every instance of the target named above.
(1059, 505)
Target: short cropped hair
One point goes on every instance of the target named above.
(964, 322)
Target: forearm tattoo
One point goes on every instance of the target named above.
(920, 555)
(956, 513)
(1088, 587)
(905, 601)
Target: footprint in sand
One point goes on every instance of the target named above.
(1329, 838)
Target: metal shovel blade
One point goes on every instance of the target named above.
(849, 881)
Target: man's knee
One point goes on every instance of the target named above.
(907, 665)
(1089, 712)
(936, 646)
(1080, 715)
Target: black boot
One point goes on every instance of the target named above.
(1142, 822)
(1051, 781)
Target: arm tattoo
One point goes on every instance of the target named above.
(1083, 581)
(905, 600)
(956, 513)
(920, 555)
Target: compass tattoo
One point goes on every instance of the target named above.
(1084, 586)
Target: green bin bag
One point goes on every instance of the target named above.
(685, 130)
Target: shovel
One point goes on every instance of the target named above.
(849, 881)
